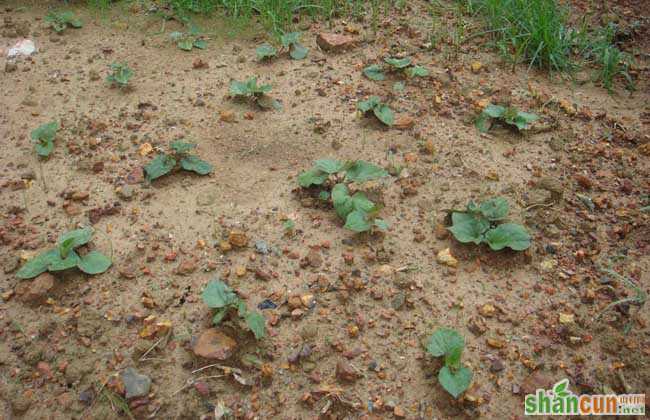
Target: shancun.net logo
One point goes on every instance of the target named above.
(559, 401)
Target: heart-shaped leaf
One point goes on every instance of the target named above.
(468, 228)
(369, 104)
(494, 209)
(455, 382)
(374, 72)
(73, 239)
(357, 221)
(312, 177)
(194, 164)
(94, 262)
(398, 63)
(200, 44)
(444, 341)
(342, 201)
(509, 235)
(362, 171)
(257, 324)
(217, 294)
(265, 51)
(298, 51)
(38, 264)
(417, 71)
(159, 166)
(330, 166)
(384, 114)
(494, 111)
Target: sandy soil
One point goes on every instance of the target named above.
(377, 298)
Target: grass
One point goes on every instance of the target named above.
(537, 32)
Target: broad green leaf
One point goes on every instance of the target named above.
(94, 262)
(360, 202)
(76, 23)
(219, 315)
(257, 324)
(195, 30)
(357, 221)
(443, 341)
(312, 177)
(266, 51)
(217, 294)
(494, 111)
(369, 104)
(483, 123)
(185, 44)
(194, 164)
(60, 264)
(523, 120)
(43, 147)
(494, 209)
(239, 88)
(298, 51)
(46, 131)
(73, 239)
(455, 382)
(324, 195)
(266, 102)
(175, 36)
(342, 201)
(417, 71)
(289, 38)
(362, 171)
(331, 166)
(200, 44)
(509, 235)
(468, 228)
(398, 63)
(242, 309)
(38, 264)
(159, 166)
(374, 72)
(384, 114)
(381, 224)
(181, 147)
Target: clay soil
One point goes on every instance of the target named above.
(577, 180)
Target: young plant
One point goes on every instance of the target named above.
(64, 257)
(356, 209)
(378, 109)
(400, 65)
(120, 75)
(164, 163)
(291, 41)
(250, 90)
(479, 224)
(218, 296)
(453, 377)
(187, 41)
(266, 51)
(59, 21)
(43, 138)
(507, 115)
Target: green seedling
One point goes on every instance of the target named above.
(379, 109)
(331, 177)
(178, 157)
(291, 42)
(120, 75)
(266, 51)
(65, 257)
(225, 302)
(480, 224)
(507, 115)
(59, 21)
(43, 138)
(251, 91)
(399, 65)
(188, 40)
(453, 377)
(639, 299)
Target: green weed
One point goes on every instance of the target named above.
(479, 223)
(218, 296)
(453, 377)
(507, 115)
(64, 257)
(374, 106)
(357, 210)
(120, 75)
(43, 138)
(164, 163)
(59, 21)
(250, 90)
